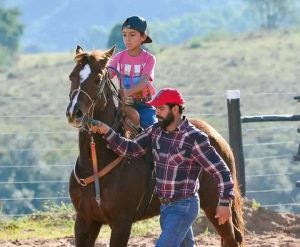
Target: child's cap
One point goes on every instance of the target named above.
(139, 24)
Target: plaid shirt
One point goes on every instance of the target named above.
(179, 157)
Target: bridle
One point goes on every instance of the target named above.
(104, 79)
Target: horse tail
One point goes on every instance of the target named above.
(237, 209)
(226, 153)
(237, 204)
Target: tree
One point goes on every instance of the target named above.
(271, 14)
(116, 38)
(10, 32)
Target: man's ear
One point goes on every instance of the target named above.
(175, 109)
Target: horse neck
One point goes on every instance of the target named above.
(104, 154)
(109, 114)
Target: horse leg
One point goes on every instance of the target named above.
(120, 232)
(86, 232)
(226, 231)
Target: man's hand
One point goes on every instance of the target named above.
(223, 213)
(100, 127)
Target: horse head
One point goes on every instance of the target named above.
(89, 82)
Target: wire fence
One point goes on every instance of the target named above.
(50, 160)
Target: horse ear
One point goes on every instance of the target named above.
(107, 55)
(110, 52)
(79, 50)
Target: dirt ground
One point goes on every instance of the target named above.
(264, 228)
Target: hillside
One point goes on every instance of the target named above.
(255, 63)
(264, 66)
(55, 26)
(58, 25)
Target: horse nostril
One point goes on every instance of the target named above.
(74, 112)
(78, 113)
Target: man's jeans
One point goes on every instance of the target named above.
(176, 221)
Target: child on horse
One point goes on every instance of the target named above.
(136, 67)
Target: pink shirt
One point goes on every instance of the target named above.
(132, 68)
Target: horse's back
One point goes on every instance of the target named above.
(209, 194)
(217, 141)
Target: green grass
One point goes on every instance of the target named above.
(255, 205)
(57, 221)
(54, 222)
(144, 227)
(28, 61)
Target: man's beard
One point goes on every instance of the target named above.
(165, 122)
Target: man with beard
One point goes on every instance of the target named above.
(180, 152)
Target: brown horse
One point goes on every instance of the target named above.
(122, 189)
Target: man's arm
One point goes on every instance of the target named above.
(206, 155)
(125, 147)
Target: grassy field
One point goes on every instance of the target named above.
(256, 64)
(58, 222)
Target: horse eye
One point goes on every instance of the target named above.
(71, 78)
(98, 79)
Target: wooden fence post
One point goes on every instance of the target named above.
(235, 135)
(297, 156)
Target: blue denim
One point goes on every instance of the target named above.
(176, 221)
(147, 114)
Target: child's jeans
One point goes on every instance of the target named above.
(147, 114)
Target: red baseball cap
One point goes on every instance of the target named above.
(167, 96)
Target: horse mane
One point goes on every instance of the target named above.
(96, 54)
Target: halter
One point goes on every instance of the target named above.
(90, 113)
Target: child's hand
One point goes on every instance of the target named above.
(122, 94)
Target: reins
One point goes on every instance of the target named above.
(88, 122)
(95, 169)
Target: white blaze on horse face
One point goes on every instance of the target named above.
(74, 102)
(84, 73)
